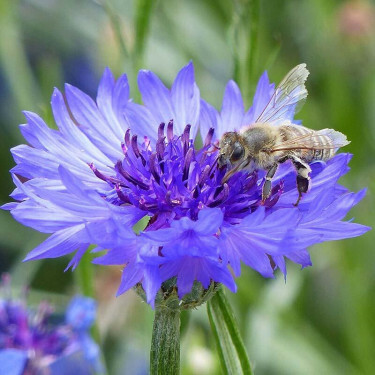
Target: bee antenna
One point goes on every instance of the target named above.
(211, 151)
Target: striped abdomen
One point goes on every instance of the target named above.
(309, 144)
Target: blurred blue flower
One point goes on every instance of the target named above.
(81, 313)
(31, 342)
(113, 162)
(80, 316)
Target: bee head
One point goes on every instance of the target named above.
(231, 149)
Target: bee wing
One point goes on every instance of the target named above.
(290, 93)
(314, 140)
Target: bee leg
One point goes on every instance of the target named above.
(266, 190)
(303, 177)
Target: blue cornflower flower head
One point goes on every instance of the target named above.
(38, 341)
(113, 162)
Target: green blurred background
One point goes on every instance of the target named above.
(322, 320)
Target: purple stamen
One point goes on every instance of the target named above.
(160, 177)
(204, 175)
(188, 159)
(223, 196)
(170, 131)
(152, 165)
(109, 179)
(134, 143)
(185, 138)
(130, 178)
(161, 130)
(127, 138)
(209, 136)
(160, 148)
(121, 195)
(135, 146)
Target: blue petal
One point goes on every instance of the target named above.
(301, 257)
(141, 121)
(339, 230)
(73, 134)
(259, 261)
(91, 353)
(186, 100)
(43, 219)
(232, 110)
(280, 263)
(81, 313)
(262, 96)
(219, 273)
(60, 243)
(119, 255)
(105, 103)
(155, 96)
(186, 275)
(72, 363)
(209, 221)
(190, 243)
(13, 361)
(341, 206)
(120, 98)
(77, 257)
(34, 163)
(151, 283)
(92, 123)
(161, 236)
(209, 118)
(131, 275)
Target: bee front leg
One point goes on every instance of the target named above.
(266, 190)
(303, 178)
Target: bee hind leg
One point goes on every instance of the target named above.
(266, 190)
(303, 178)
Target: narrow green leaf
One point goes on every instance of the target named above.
(13, 61)
(142, 25)
(85, 280)
(117, 29)
(231, 349)
(252, 50)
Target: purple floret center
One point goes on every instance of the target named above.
(173, 177)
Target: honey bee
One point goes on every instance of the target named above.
(271, 140)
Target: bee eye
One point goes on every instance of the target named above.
(238, 152)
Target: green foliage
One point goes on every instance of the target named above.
(321, 319)
(229, 344)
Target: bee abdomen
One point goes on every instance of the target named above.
(309, 144)
(327, 149)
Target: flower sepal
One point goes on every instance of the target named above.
(167, 295)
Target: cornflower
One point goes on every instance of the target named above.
(113, 162)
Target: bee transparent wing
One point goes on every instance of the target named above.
(338, 139)
(288, 97)
(314, 140)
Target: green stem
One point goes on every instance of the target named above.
(116, 26)
(85, 276)
(165, 345)
(13, 61)
(142, 20)
(85, 280)
(252, 50)
(253, 36)
(234, 41)
(231, 349)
